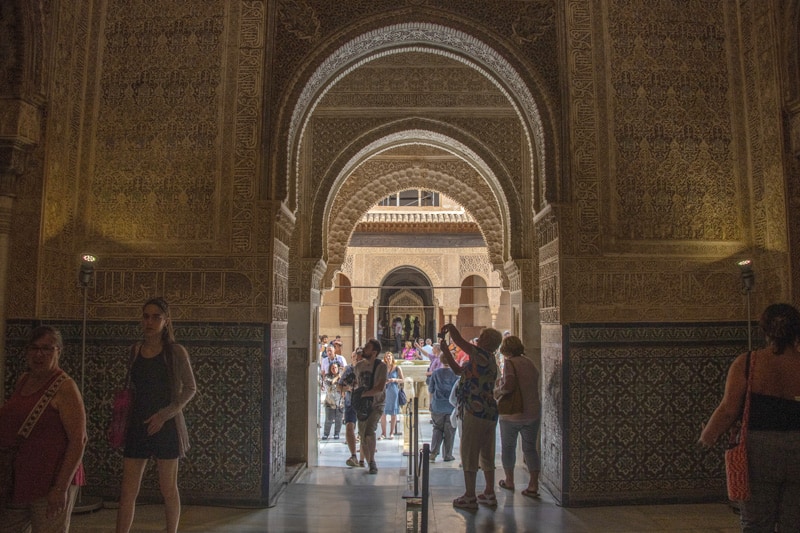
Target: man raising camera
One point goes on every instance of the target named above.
(371, 378)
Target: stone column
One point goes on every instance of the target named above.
(360, 329)
(303, 367)
(494, 302)
(792, 120)
(20, 128)
(8, 180)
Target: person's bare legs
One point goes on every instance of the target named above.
(132, 470)
(533, 483)
(168, 483)
(488, 476)
(470, 479)
(383, 425)
(368, 447)
(393, 426)
(350, 437)
(509, 481)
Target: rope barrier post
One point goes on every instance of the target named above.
(410, 451)
(415, 444)
(426, 455)
(413, 454)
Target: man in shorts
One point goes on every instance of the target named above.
(346, 383)
(371, 375)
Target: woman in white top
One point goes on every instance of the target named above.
(519, 371)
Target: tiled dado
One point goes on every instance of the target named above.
(229, 418)
(635, 398)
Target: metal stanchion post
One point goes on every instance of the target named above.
(426, 454)
(413, 456)
(415, 445)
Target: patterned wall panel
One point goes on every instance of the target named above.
(636, 397)
(228, 419)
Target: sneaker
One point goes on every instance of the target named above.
(336, 437)
(324, 437)
(353, 461)
(373, 468)
(451, 458)
(433, 458)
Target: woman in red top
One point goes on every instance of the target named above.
(47, 466)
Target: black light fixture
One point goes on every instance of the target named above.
(84, 504)
(748, 276)
(87, 270)
(748, 282)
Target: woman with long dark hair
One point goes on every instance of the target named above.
(162, 377)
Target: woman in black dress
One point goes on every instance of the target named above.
(164, 383)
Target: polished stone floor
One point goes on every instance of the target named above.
(333, 498)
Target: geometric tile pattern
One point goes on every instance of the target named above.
(225, 419)
(635, 400)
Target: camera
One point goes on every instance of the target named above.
(442, 335)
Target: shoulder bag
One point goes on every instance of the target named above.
(402, 399)
(7, 455)
(736, 465)
(511, 402)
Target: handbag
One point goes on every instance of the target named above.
(8, 454)
(122, 405)
(120, 416)
(402, 399)
(736, 465)
(511, 402)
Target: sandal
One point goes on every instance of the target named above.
(530, 493)
(462, 502)
(487, 499)
(503, 485)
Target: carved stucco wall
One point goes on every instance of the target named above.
(663, 202)
(140, 134)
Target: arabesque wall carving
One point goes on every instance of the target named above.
(676, 188)
(351, 55)
(470, 191)
(158, 158)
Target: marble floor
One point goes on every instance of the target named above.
(333, 498)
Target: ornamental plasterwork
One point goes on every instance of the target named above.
(373, 265)
(343, 220)
(419, 37)
(406, 299)
(355, 191)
